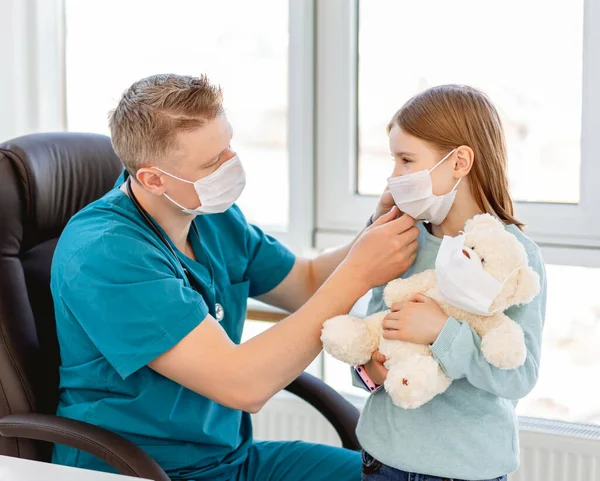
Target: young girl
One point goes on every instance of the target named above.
(469, 432)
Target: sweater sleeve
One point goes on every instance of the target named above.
(356, 380)
(458, 347)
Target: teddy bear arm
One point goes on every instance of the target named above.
(401, 290)
(503, 342)
(352, 340)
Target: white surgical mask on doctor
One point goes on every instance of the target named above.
(413, 194)
(462, 280)
(218, 191)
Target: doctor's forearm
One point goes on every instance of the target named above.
(324, 264)
(267, 363)
(307, 276)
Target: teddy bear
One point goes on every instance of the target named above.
(414, 376)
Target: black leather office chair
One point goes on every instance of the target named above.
(44, 180)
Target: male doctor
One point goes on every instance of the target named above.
(150, 285)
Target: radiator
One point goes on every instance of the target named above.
(550, 450)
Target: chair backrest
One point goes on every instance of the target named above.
(44, 180)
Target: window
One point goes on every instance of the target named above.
(570, 355)
(309, 86)
(375, 55)
(111, 44)
(440, 42)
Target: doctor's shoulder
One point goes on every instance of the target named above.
(97, 229)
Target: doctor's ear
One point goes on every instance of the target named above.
(464, 157)
(151, 179)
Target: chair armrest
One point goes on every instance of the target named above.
(342, 415)
(120, 453)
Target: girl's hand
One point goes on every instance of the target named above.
(418, 320)
(386, 202)
(375, 368)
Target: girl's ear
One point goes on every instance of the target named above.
(464, 161)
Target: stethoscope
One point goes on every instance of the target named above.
(219, 311)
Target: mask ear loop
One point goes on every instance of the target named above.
(174, 176)
(183, 209)
(508, 276)
(436, 166)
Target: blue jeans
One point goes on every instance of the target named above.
(373, 470)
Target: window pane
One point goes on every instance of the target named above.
(532, 73)
(112, 43)
(570, 354)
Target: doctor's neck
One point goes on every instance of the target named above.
(175, 223)
(464, 208)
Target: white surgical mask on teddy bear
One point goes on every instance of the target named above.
(413, 194)
(462, 280)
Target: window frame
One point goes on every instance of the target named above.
(301, 131)
(564, 231)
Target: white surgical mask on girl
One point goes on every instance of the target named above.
(218, 191)
(462, 280)
(413, 194)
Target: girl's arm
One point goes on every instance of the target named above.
(458, 347)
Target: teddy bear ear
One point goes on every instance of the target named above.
(483, 220)
(528, 286)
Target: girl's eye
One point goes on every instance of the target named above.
(406, 160)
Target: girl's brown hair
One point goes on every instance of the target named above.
(449, 116)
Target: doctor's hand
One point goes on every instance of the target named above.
(418, 320)
(386, 202)
(383, 252)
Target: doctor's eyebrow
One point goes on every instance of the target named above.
(217, 157)
(402, 154)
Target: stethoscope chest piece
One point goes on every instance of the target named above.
(219, 312)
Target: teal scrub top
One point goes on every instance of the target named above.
(122, 299)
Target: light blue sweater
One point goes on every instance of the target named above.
(470, 431)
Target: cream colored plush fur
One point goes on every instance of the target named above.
(414, 376)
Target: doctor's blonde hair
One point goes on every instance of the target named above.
(150, 114)
(449, 116)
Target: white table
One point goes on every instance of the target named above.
(16, 469)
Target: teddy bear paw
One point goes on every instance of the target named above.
(504, 346)
(415, 380)
(347, 338)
